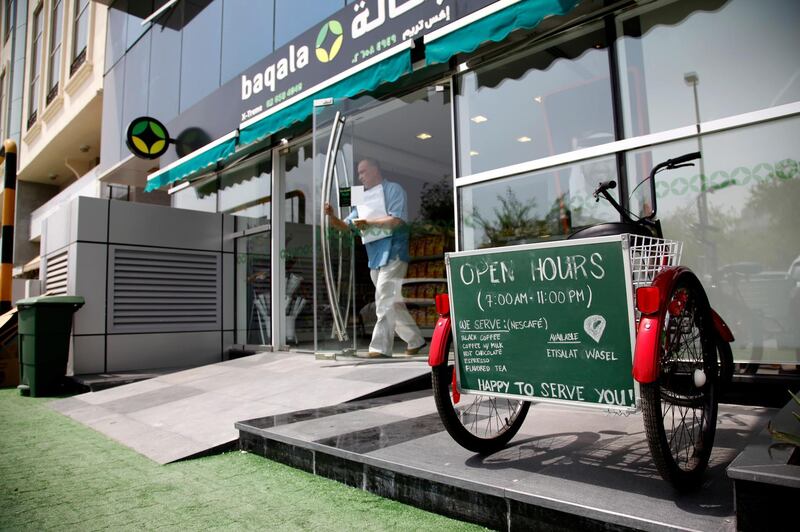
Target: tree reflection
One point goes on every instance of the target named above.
(513, 222)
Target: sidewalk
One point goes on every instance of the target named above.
(58, 474)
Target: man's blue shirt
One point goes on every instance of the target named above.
(380, 252)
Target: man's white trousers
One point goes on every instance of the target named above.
(392, 313)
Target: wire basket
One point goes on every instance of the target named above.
(649, 256)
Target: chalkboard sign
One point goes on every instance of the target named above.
(549, 322)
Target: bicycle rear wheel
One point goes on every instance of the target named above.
(680, 407)
(479, 423)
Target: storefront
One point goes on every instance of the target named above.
(498, 122)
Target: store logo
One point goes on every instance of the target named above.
(334, 29)
(147, 137)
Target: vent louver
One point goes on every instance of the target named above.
(55, 282)
(163, 290)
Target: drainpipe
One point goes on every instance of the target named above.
(8, 152)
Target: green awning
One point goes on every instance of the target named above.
(239, 143)
(525, 14)
(386, 71)
(195, 163)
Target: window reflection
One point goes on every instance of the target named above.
(735, 215)
(246, 35)
(739, 55)
(112, 132)
(165, 61)
(297, 255)
(253, 290)
(201, 196)
(137, 66)
(245, 191)
(200, 61)
(291, 21)
(534, 105)
(536, 206)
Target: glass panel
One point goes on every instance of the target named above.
(82, 27)
(545, 205)
(137, 67)
(201, 196)
(403, 145)
(36, 62)
(708, 59)
(200, 59)
(116, 36)
(112, 132)
(55, 45)
(297, 255)
(737, 225)
(138, 10)
(246, 34)
(165, 61)
(534, 105)
(245, 191)
(253, 321)
(291, 21)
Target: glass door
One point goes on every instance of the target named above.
(383, 210)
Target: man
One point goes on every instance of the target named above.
(388, 263)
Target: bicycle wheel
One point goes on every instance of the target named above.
(479, 423)
(680, 407)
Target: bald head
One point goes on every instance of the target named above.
(369, 173)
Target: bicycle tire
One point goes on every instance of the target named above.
(679, 411)
(725, 361)
(481, 424)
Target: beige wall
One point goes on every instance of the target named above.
(69, 126)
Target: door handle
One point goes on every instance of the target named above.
(327, 267)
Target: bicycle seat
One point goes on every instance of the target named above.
(610, 228)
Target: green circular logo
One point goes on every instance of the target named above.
(147, 137)
(331, 32)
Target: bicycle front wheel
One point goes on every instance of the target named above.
(479, 423)
(680, 407)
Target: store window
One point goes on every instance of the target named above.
(200, 196)
(686, 62)
(297, 253)
(734, 211)
(535, 104)
(245, 191)
(54, 66)
(534, 206)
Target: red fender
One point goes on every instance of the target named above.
(441, 333)
(721, 327)
(646, 354)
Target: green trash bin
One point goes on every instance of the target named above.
(44, 325)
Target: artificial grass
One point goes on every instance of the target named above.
(58, 474)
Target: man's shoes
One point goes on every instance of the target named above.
(413, 351)
(374, 354)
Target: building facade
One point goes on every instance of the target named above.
(498, 118)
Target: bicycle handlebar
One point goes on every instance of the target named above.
(682, 159)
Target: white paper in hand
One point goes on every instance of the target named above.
(372, 205)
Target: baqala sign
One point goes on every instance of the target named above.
(345, 39)
(341, 41)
